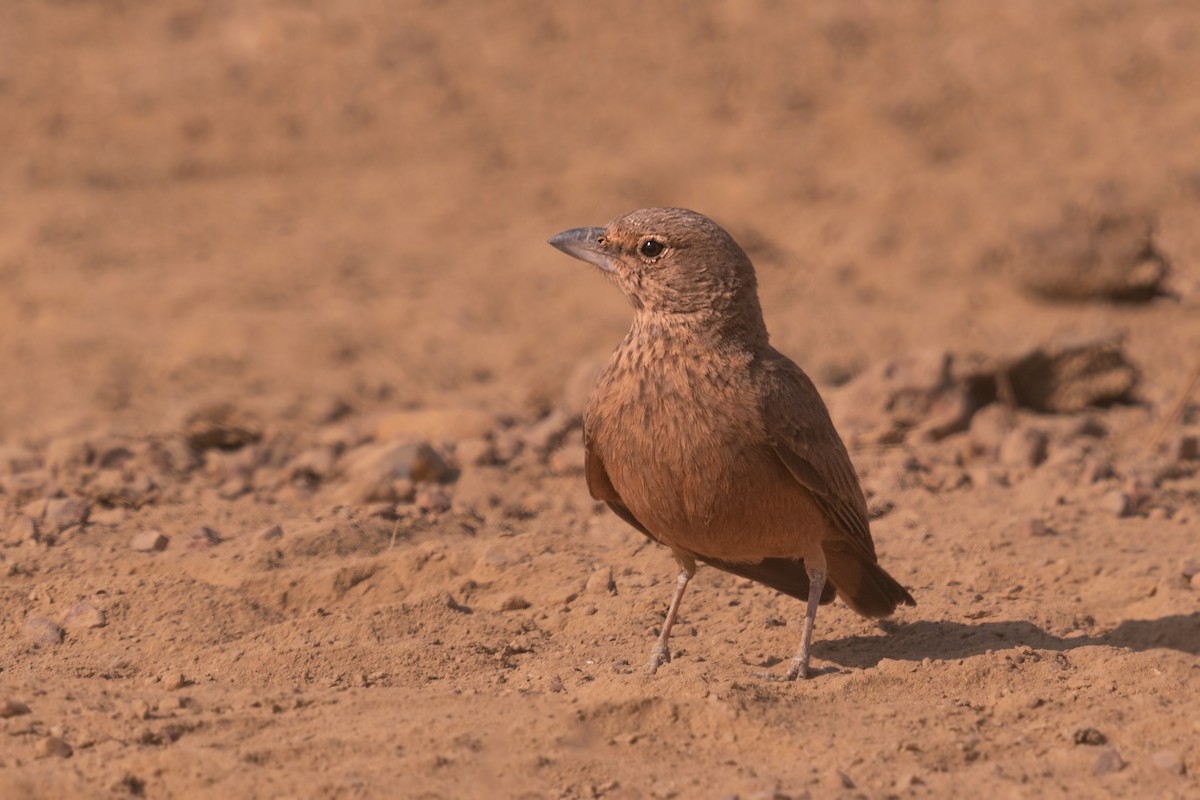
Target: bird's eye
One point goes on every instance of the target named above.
(651, 248)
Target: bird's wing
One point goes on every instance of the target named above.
(802, 434)
(601, 488)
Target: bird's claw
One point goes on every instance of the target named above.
(659, 656)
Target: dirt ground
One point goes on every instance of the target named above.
(291, 499)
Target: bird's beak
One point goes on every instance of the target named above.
(585, 244)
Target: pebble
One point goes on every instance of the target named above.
(1108, 760)
(1089, 736)
(601, 582)
(221, 426)
(433, 499)
(149, 541)
(22, 528)
(1184, 447)
(511, 602)
(1037, 527)
(43, 630)
(1168, 761)
(63, 512)
(52, 746)
(83, 616)
(12, 708)
(989, 427)
(1024, 447)
(1117, 503)
(173, 680)
(203, 537)
(417, 461)
(836, 779)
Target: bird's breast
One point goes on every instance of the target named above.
(684, 446)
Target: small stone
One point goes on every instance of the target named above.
(83, 616)
(601, 582)
(989, 427)
(1037, 527)
(1168, 761)
(52, 746)
(64, 512)
(221, 426)
(1024, 447)
(149, 541)
(836, 779)
(67, 455)
(139, 709)
(1117, 503)
(12, 708)
(1088, 736)
(269, 534)
(202, 537)
(43, 630)
(173, 680)
(1107, 760)
(22, 528)
(417, 461)
(1097, 468)
(511, 602)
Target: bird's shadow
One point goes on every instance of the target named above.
(952, 640)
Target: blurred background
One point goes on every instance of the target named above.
(294, 203)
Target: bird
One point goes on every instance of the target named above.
(710, 442)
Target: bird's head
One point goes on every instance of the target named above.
(671, 261)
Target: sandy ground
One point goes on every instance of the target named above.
(375, 570)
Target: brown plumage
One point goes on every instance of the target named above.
(708, 440)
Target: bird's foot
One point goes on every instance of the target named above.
(658, 656)
(799, 669)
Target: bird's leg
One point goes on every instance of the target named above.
(816, 583)
(661, 653)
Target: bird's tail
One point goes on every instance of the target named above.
(863, 584)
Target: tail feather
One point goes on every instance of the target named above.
(863, 584)
(786, 575)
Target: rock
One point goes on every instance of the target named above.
(203, 537)
(21, 528)
(83, 616)
(64, 512)
(1105, 252)
(269, 534)
(149, 541)
(173, 456)
(314, 464)
(601, 582)
(501, 557)
(1097, 468)
(511, 602)
(416, 461)
(914, 391)
(990, 426)
(1168, 761)
(1036, 526)
(836, 779)
(1088, 736)
(1073, 374)
(42, 630)
(221, 426)
(1107, 760)
(1117, 503)
(12, 708)
(439, 425)
(173, 680)
(52, 747)
(1024, 447)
